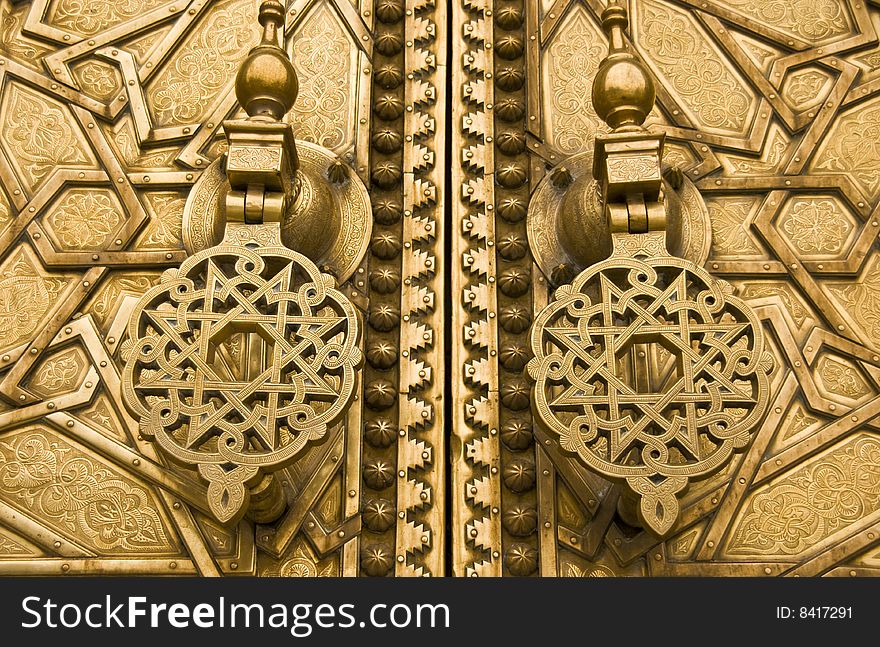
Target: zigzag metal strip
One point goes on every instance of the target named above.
(480, 457)
(416, 453)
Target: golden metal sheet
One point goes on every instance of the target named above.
(113, 113)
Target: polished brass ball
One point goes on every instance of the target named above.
(266, 84)
(623, 91)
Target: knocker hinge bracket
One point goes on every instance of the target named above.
(627, 167)
(261, 165)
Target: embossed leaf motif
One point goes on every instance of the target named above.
(815, 226)
(59, 372)
(85, 220)
(40, 135)
(71, 490)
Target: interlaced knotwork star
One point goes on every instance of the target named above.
(669, 318)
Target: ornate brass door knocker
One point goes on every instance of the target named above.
(248, 352)
(645, 366)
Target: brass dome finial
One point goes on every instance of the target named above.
(266, 84)
(623, 92)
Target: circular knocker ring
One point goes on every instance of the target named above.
(238, 360)
(652, 372)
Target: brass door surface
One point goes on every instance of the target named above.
(471, 126)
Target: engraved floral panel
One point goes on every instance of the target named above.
(5, 211)
(105, 303)
(761, 54)
(852, 147)
(27, 293)
(841, 379)
(298, 561)
(39, 134)
(12, 43)
(80, 496)
(781, 290)
(822, 498)
(569, 64)
(814, 21)
(772, 154)
(731, 235)
(690, 66)
(166, 217)
(88, 17)
(205, 64)
(860, 298)
(85, 219)
(817, 227)
(97, 78)
(806, 88)
(12, 547)
(326, 62)
(59, 373)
